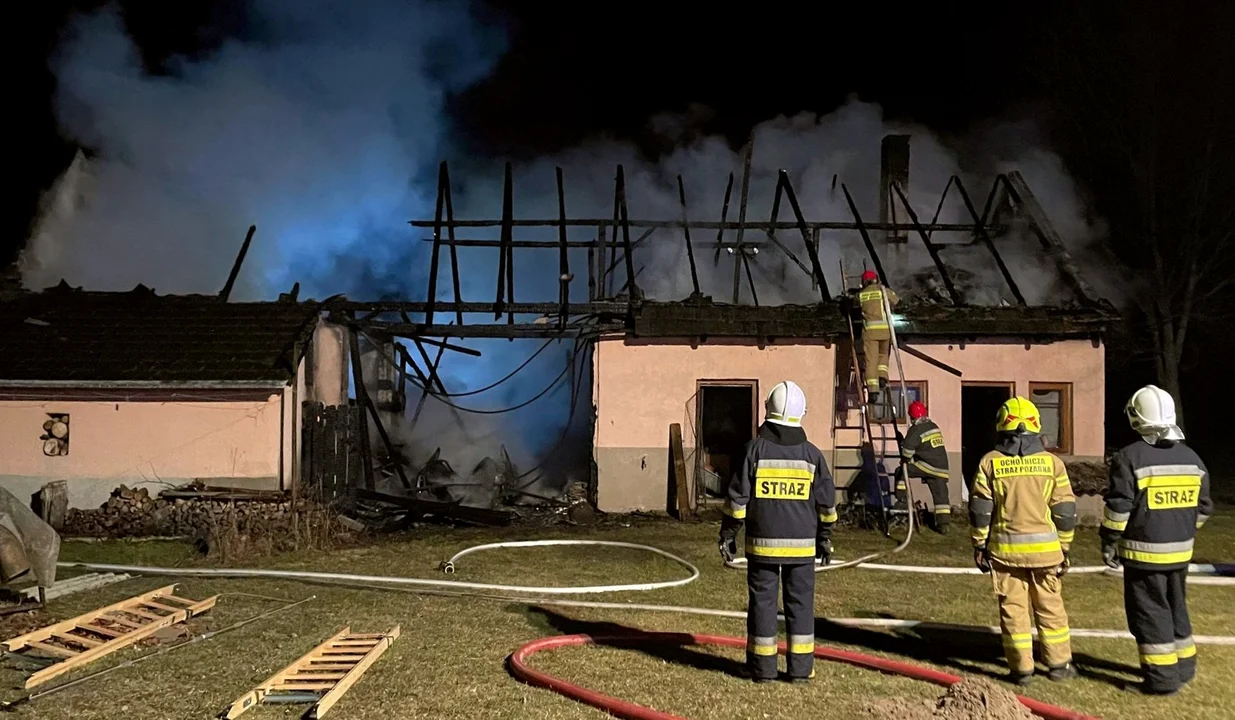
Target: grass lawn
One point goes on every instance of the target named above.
(449, 662)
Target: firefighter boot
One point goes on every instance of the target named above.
(1020, 679)
(1064, 672)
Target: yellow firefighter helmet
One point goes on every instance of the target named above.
(1018, 415)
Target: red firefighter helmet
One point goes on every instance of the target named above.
(868, 276)
(917, 410)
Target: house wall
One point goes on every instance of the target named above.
(154, 443)
(1070, 361)
(641, 387)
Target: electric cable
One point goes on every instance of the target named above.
(437, 393)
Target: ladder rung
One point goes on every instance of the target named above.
(305, 676)
(84, 642)
(99, 630)
(54, 650)
(305, 686)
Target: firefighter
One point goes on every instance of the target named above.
(1023, 514)
(786, 496)
(876, 333)
(1157, 498)
(926, 457)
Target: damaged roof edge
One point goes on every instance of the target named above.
(827, 320)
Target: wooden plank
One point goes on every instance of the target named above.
(309, 676)
(328, 700)
(305, 686)
(21, 641)
(119, 619)
(54, 649)
(679, 471)
(115, 644)
(106, 632)
(84, 642)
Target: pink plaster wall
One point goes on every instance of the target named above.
(640, 388)
(1073, 361)
(143, 443)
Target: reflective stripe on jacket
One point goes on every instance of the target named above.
(924, 447)
(1022, 508)
(1156, 499)
(785, 495)
(871, 300)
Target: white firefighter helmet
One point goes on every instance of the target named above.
(786, 404)
(1151, 413)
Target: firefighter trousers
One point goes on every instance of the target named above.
(1157, 608)
(762, 582)
(1030, 597)
(876, 352)
(938, 486)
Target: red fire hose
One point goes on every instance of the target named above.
(630, 711)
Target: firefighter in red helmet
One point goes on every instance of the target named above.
(876, 332)
(926, 456)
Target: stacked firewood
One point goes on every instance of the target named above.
(134, 512)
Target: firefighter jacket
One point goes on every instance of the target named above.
(874, 319)
(1022, 508)
(923, 447)
(785, 495)
(1156, 500)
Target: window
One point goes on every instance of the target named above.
(1054, 401)
(915, 391)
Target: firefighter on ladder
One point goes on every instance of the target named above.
(1156, 500)
(785, 495)
(926, 458)
(1023, 514)
(876, 333)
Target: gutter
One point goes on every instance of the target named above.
(151, 384)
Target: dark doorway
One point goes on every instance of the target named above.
(979, 404)
(726, 422)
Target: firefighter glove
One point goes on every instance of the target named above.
(728, 548)
(982, 559)
(823, 552)
(1063, 566)
(1110, 553)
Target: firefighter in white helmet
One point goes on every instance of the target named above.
(1156, 500)
(1023, 514)
(785, 495)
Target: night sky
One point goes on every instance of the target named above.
(576, 70)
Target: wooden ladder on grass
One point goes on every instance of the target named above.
(321, 677)
(70, 644)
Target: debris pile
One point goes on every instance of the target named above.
(970, 699)
(1088, 478)
(224, 527)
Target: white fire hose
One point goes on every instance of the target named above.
(421, 585)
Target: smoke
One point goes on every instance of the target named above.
(324, 124)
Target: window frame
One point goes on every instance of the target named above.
(1065, 444)
(923, 388)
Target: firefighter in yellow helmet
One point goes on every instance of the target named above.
(1023, 514)
(876, 332)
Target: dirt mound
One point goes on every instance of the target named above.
(1088, 478)
(972, 699)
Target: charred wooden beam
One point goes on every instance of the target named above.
(908, 350)
(803, 228)
(613, 240)
(1047, 235)
(507, 237)
(226, 292)
(362, 399)
(431, 295)
(522, 308)
(449, 511)
(930, 247)
(674, 225)
(563, 255)
(866, 238)
(591, 274)
(378, 332)
(781, 180)
(750, 280)
(690, 250)
(626, 246)
(990, 244)
(520, 330)
(724, 216)
(638, 241)
(738, 255)
(454, 249)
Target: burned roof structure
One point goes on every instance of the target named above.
(67, 335)
(944, 299)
